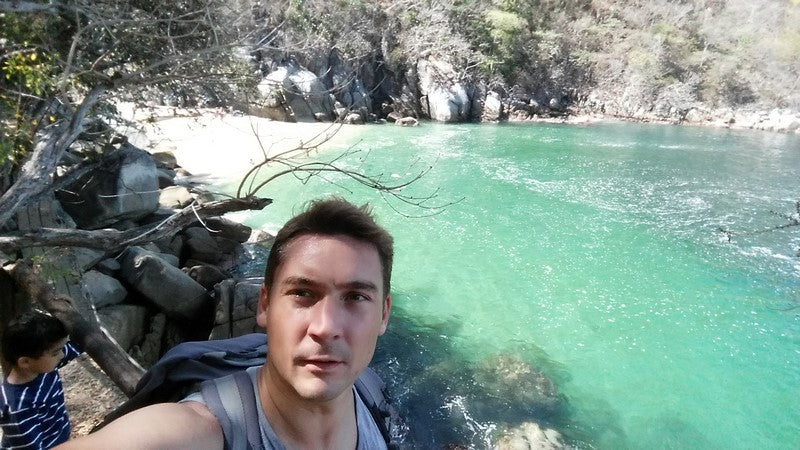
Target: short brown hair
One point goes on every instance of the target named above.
(329, 217)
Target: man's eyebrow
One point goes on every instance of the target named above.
(355, 284)
(360, 285)
(298, 281)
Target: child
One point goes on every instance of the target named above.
(32, 410)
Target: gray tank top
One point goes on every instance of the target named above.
(369, 436)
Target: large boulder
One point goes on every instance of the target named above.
(125, 323)
(175, 197)
(236, 308)
(229, 229)
(348, 87)
(492, 107)
(444, 98)
(165, 286)
(125, 188)
(509, 377)
(291, 93)
(530, 436)
(102, 290)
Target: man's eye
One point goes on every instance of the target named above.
(300, 293)
(357, 297)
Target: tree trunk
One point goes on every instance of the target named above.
(112, 359)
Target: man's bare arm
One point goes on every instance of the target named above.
(188, 425)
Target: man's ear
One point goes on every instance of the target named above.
(387, 307)
(263, 304)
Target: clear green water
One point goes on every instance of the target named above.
(591, 254)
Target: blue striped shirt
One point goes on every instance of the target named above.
(33, 415)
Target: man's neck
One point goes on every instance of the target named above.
(302, 423)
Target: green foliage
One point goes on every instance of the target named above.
(26, 77)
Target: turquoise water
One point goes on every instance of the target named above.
(591, 255)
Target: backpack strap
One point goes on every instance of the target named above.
(232, 400)
(372, 390)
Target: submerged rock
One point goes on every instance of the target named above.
(530, 436)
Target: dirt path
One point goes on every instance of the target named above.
(89, 393)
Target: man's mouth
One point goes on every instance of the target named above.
(321, 364)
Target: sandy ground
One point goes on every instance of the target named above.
(89, 394)
(217, 145)
(210, 145)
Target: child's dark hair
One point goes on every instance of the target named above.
(31, 334)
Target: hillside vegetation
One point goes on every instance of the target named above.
(613, 55)
(655, 59)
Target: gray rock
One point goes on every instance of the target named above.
(108, 266)
(229, 229)
(206, 275)
(446, 100)
(149, 351)
(127, 188)
(125, 323)
(492, 107)
(407, 122)
(237, 305)
(354, 119)
(508, 376)
(293, 93)
(164, 285)
(165, 159)
(166, 177)
(530, 436)
(176, 197)
(101, 289)
(199, 245)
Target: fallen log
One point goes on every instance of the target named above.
(110, 240)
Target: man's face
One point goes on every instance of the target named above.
(323, 314)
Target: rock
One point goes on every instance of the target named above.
(354, 119)
(165, 286)
(127, 188)
(165, 159)
(125, 323)
(347, 85)
(235, 314)
(444, 99)
(394, 116)
(206, 275)
(509, 377)
(166, 177)
(530, 436)
(492, 107)
(108, 266)
(292, 93)
(102, 290)
(407, 122)
(200, 246)
(175, 197)
(229, 229)
(149, 351)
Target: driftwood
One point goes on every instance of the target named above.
(111, 240)
(119, 367)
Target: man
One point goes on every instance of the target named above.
(324, 302)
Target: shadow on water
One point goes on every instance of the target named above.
(448, 401)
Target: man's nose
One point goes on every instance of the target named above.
(326, 319)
